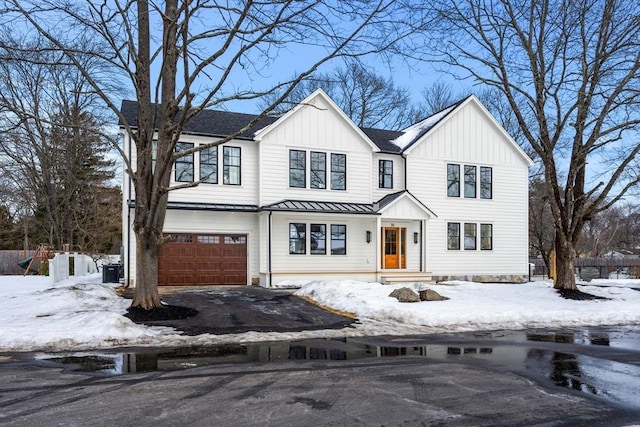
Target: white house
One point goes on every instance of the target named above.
(310, 195)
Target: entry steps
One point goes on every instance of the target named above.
(408, 277)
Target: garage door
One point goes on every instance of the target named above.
(203, 259)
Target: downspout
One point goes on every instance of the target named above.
(128, 281)
(269, 252)
(421, 246)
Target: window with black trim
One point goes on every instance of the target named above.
(486, 237)
(297, 168)
(470, 233)
(486, 182)
(453, 180)
(338, 171)
(338, 239)
(318, 170)
(209, 165)
(470, 181)
(385, 174)
(231, 159)
(297, 238)
(184, 164)
(318, 239)
(453, 236)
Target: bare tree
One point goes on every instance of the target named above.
(206, 53)
(369, 99)
(439, 96)
(570, 71)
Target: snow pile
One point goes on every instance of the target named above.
(412, 132)
(475, 306)
(67, 315)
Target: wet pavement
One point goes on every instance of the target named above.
(228, 310)
(581, 376)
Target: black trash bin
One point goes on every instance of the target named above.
(111, 273)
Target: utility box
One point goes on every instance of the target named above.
(111, 273)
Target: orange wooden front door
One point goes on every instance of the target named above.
(393, 247)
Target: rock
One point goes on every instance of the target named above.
(405, 295)
(430, 295)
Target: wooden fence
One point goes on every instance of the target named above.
(9, 261)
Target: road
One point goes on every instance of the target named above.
(537, 377)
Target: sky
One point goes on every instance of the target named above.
(83, 314)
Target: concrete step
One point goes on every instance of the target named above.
(390, 279)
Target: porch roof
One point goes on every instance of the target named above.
(321, 207)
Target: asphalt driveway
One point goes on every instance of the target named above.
(228, 310)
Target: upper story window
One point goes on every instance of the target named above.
(297, 168)
(338, 171)
(472, 186)
(209, 165)
(231, 165)
(486, 182)
(385, 174)
(453, 180)
(318, 170)
(469, 182)
(184, 164)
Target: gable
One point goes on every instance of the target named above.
(316, 121)
(403, 205)
(469, 133)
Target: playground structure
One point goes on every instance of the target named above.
(44, 252)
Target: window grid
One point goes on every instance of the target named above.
(453, 236)
(297, 168)
(297, 238)
(469, 182)
(453, 180)
(318, 170)
(209, 165)
(338, 171)
(486, 237)
(470, 232)
(184, 164)
(338, 239)
(231, 168)
(486, 182)
(318, 239)
(385, 174)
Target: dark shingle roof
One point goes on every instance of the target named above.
(382, 138)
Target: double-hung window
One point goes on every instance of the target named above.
(297, 238)
(453, 236)
(385, 174)
(231, 165)
(209, 165)
(297, 168)
(318, 170)
(453, 180)
(318, 239)
(184, 164)
(338, 239)
(338, 171)
(486, 182)
(486, 237)
(470, 182)
(470, 232)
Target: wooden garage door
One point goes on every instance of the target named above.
(203, 259)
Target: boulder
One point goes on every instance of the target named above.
(405, 295)
(430, 295)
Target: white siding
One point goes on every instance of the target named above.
(469, 138)
(314, 128)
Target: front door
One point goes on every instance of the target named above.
(393, 247)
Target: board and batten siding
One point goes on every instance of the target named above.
(319, 128)
(470, 138)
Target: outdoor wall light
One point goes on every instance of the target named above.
(368, 236)
(415, 237)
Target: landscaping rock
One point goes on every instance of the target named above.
(405, 295)
(430, 295)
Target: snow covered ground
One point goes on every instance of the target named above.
(82, 313)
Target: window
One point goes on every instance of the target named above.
(297, 168)
(385, 174)
(318, 170)
(470, 236)
(231, 168)
(338, 171)
(486, 182)
(470, 181)
(297, 238)
(318, 239)
(338, 239)
(486, 237)
(453, 180)
(209, 165)
(453, 236)
(235, 240)
(184, 164)
(214, 240)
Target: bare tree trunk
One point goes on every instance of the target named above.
(565, 265)
(146, 291)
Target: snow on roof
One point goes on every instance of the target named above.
(415, 131)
